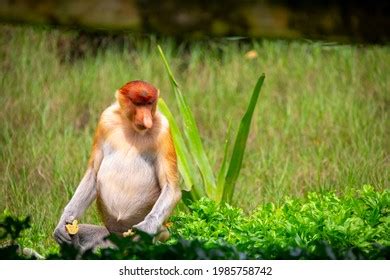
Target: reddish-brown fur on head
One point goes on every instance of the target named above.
(139, 92)
(138, 100)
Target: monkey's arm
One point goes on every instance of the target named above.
(170, 192)
(82, 198)
(85, 194)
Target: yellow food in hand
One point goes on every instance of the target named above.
(130, 232)
(168, 224)
(72, 228)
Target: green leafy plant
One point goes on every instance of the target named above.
(192, 159)
(125, 248)
(323, 226)
(10, 230)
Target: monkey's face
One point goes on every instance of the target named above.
(138, 101)
(141, 116)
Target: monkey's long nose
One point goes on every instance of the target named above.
(148, 122)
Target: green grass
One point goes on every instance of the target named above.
(322, 122)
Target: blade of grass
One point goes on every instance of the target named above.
(224, 166)
(192, 134)
(240, 144)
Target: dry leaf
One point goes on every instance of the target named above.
(251, 54)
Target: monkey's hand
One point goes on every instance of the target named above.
(61, 235)
(151, 227)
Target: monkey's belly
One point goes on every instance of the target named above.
(127, 188)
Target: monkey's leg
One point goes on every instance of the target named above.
(91, 237)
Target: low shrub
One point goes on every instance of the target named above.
(321, 226)
(125, 248)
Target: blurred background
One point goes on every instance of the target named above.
(321, 123)
(349, 20)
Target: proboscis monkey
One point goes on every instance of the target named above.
(132, 171)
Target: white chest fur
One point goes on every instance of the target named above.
(127, 184)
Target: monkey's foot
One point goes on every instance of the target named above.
(128, 233)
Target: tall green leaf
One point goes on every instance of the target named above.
(186, 168)
(240, 144)
(192, 134)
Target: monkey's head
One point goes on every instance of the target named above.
(138, 101)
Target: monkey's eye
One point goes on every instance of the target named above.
(135, 102)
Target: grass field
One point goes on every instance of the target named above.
(322, 121)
